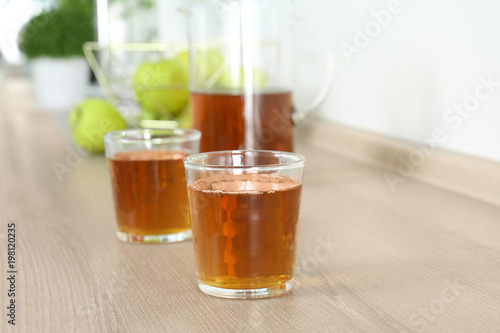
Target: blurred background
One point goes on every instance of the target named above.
(402, 68)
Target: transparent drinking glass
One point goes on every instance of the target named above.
(244, 212)
(148, 182)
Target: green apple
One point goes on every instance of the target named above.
(183, 59)
(209, 65)
(211, 70)
(161, 87)
(90, 120)
(233, 78)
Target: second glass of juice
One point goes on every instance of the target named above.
(148, 183)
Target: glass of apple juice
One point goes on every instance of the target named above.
(148, 183)
(244, 211)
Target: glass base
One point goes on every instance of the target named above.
(247, 293)
(170, 238)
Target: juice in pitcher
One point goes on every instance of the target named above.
(229, 120)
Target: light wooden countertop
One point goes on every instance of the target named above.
(417, 259)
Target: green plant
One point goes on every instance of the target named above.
(59, 32)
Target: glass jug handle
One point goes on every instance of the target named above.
(299, 115)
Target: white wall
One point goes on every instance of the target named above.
(424, 61)
(427, 58)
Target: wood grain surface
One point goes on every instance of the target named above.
(418, 259)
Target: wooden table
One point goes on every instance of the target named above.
(420, 259)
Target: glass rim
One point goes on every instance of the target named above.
(296, 160)
(164, 135)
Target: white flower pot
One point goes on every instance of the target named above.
(59, 83)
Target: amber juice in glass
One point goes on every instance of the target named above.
(244, 211)
(150, 194)
(148, 183)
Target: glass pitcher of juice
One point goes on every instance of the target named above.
(241, 65)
